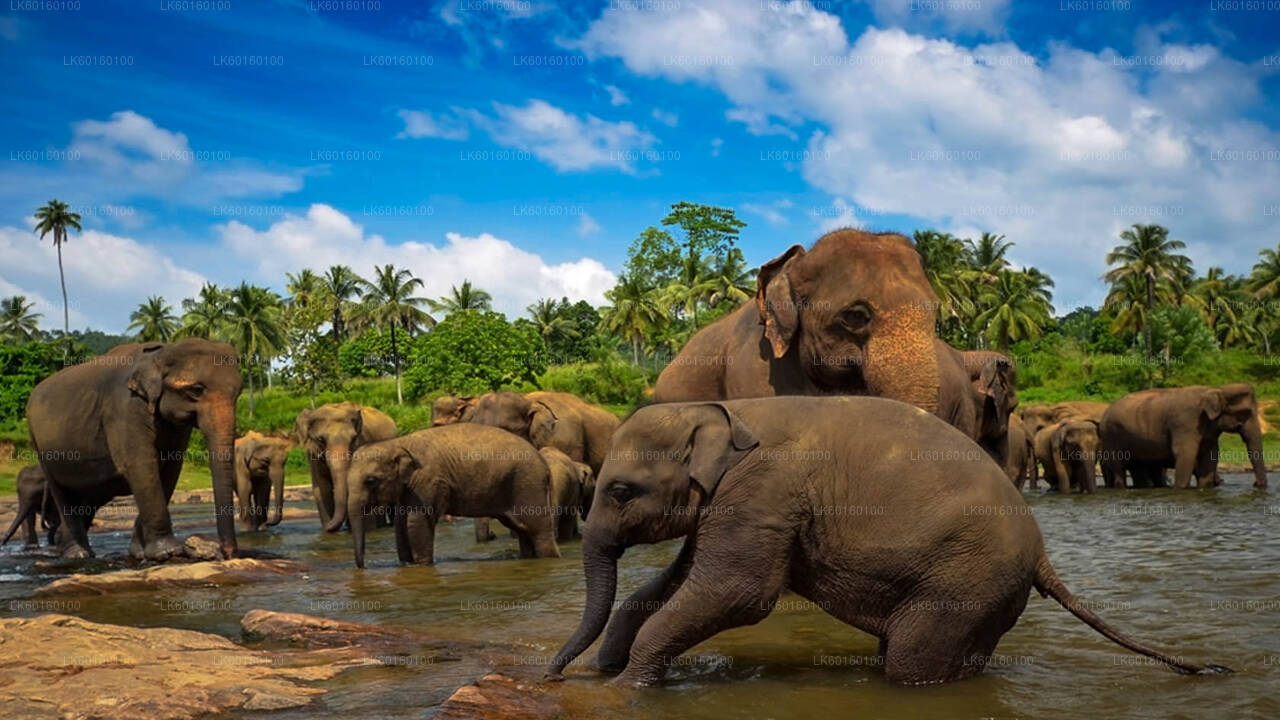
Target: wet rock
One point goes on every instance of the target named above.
(202, 547)
(378, 641)
(237, 571)
(499, 697)
(58, 666)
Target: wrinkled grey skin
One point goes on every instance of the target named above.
(119, 424)
(1144, 433)
(464, 470)
(993, 382)
(1068, 450)
(551, 419)
(330, 434)
(260, 471)
(32, 501)
(1020, 461)
(569, 483)
(821, 496)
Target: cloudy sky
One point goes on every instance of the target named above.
(523, 144)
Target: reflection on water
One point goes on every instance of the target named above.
(1191, 572)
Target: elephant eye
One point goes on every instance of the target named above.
(194, 391)
(857, 318)
(621, 492)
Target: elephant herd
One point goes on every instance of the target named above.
(900, 514)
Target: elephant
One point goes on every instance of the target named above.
(330, 434)
(32, 501)
(461, 469)
(993, 381)
(1037, 417)
(570, 482)
(822, 496)
(1148, 431)
(1020, 461)
(119, 424)
(854, 315)
(452, 408)
(260, 471)
(1068, 450)
(552, 419)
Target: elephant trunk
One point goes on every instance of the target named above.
(338, 462)
(277, 489)
(1251, 433)
(903, 365)
(357, 514)
(219, 428)
(600, 564)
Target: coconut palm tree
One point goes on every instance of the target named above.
(206, 314)
(467, 297)
(635, 312)
(17, 322)
(691, 288)
(340, 285)
(253, 327)
(987, 254)
(548, 316)
(732, 279)
(304, 287)
(389, 302)
(1264, 281)
(154, 320)
(1014, 310)
(56, 217)
(1149, 256)
(943, 256)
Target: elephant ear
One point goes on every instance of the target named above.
(1213, 403)
(300, 426)
(719, 440)
(406, 463)
(775, 301)
(996, 386)
(542, 422)
(147, 379)
(357, 420)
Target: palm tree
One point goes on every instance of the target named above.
(1264, 281)
(691, 287)
(17, 322)
(1148, 256)
(467, 297)
(732, 279)
(1015, 310)
(206, 315)
(340, 285)
(1218, 297)
(548, 316)
(154, 320)
(389, 301)
(987, 254)
(253, 328)
(635, 312)
(304, 287)
(951, 277)
(55, 217)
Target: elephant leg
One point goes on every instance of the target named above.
(566, 524)
(29, 526)
(1184, 457)
(710, 601)
(261, 500)
(483, 533)
(415, 534)
(635, 610)
(929, 646)
(74, 540)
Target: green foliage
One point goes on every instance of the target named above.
(1180, 335)
(22, 367)
(611, 382)
(369, 353)
(475, 351)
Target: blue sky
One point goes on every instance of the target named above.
(524, 144)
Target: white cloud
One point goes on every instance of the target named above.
(771, 213)
(587, 225)
(563, 140)
(951, 16)
(325, 236)
(716, 144)
(1058, 153)
(616, 95)
(422, 124)
(669, 119)
(107, 276)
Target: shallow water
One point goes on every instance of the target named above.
(1195, 573)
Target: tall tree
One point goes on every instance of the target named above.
(56, 217)
(987, 254)
(949, 274)
(341, 286)
(17, 322)
(635, 312)
(1013, 309)
(304, 287)
(551, 319)
(253, 328)
(732, 279)
(154, 320)
(1221, 300)
(467, 297)
(708, 229)
(205, 316)
(389, 301)
(1148, 256)
(1264, 280)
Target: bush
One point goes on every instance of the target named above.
(22, 367)
(472, 352)
(606, 383)
(369, 354)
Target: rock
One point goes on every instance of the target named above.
(58, 666)
(202, 547)
(499, 697)
(378, 641)
(237, 571)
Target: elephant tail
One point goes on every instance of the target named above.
(23, 514)
(1048, 584)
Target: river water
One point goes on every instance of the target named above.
(1194, 573)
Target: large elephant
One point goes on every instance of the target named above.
(822, 496)
(463, 469)
(993, 382)
(1020, 462)
(330, 434)
(452, 408)
(119, 424)
(552, 419)
(854, 315)
(1038, 417)
(570, 482)
(33, 501)
(1146, 432)
(260, 463)
(1068, 450)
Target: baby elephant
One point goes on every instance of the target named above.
(569, 483)
(878, 512)
(32, 501)
(461, 469)
(259, 471)
(1068, 450)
